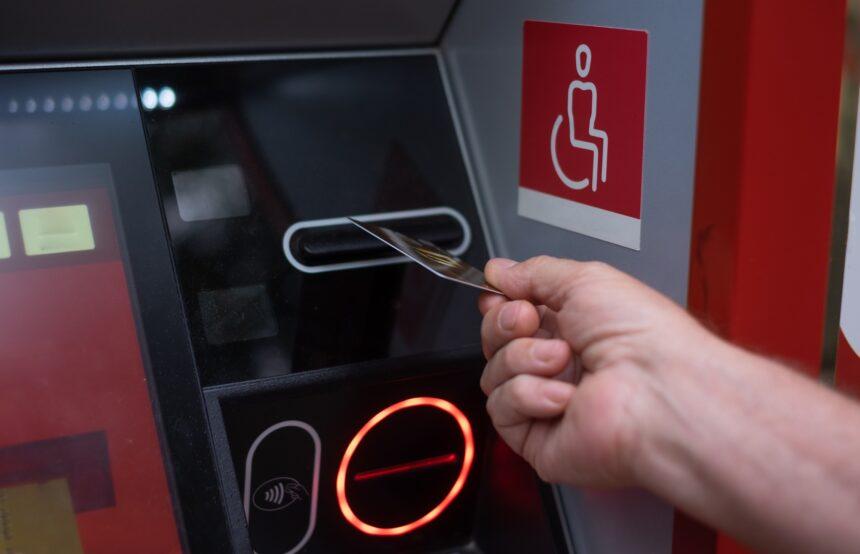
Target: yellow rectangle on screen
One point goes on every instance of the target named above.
(38, 518)
(4, 239)
(56, 230)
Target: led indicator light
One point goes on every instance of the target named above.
(459, 483)
(149, 98)
(167, 98)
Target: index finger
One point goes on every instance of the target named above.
(506, 322)
(488, 300)
(541, 280)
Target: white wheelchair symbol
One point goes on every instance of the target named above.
(599, 155)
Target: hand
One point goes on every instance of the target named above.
(627, 338)
(730, 437)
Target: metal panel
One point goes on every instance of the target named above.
(68, 29)
(483, 56)
(846, 234)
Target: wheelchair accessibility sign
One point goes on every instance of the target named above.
(583, 129)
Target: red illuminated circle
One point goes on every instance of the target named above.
(468, 458)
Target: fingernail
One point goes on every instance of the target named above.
(557, 392)
(508, 316)
(546, 350)
(504, 263)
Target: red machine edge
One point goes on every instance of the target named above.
(771, 74)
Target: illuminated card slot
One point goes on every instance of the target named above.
(5, 252)
(407, 467)
(56, 230)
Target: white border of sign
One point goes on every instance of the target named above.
(581, 218)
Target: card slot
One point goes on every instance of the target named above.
(346, 243)
(337, 244)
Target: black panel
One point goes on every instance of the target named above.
(308, 140)
(402, 465)
(43, 29)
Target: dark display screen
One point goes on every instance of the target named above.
(391, 456)
(243, 152)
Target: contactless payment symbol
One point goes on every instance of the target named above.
(583, 87)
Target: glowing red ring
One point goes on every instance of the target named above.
(468, 458)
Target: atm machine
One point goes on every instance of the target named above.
(198, 353)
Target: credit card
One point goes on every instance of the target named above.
(429, 256)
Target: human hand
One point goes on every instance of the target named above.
(628, 339)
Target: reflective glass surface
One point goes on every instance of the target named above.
(243, 152)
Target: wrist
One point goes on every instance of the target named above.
(687, 389)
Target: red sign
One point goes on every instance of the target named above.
(583, 129)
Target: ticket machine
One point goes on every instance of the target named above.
(199, 353)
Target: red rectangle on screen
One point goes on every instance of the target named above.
(73, 377)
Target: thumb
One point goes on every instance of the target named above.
(542, 280)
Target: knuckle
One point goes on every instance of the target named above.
(518, 390)
(542, 260)
(488, 320)
(506, 356)
(485, 380)
(599, 268)
(541, 469)
(485, 349)
(484, 325)
(532, 453)
(511, 355)
(487, 326)
(593, 271)
(492, 407)
(595, 267)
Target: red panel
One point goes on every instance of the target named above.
(71, 364)
(771, 77)
(788, 174)
(719, 160)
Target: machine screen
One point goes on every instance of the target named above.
(81, 467)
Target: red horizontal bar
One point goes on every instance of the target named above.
(408, 466)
